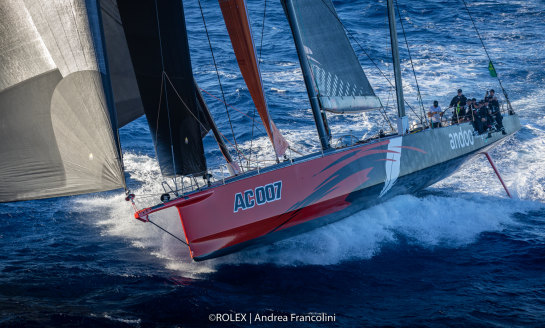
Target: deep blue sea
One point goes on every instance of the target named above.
(459, 253)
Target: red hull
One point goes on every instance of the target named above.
(212, 221)
(253, 207)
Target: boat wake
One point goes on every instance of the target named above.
(429, 221)
(437, 218)
(452, 213)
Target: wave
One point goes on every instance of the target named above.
(451, 219)
(471, 202)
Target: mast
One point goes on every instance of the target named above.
(307, 75)
(402, 122)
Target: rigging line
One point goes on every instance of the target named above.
(158, 226)
(383, 110)
(259, 64)
(198, 121)
(221, 134)
(159, 108)
(166, 93)
(233, 107)
(258, 126)
(218, 75)
(295, 150)
(487, 54)
(412, 66)
(262, 32)
(196, 118)
(365, 52)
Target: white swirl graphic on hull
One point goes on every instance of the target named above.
(393, 162)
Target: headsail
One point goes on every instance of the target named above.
(58, 127)
(159, 49)
(338, 77)
(236, 19)
(232, 165)
(128, 104)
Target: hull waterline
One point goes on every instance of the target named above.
(291, 198)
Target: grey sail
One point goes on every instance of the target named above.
(338, 77)
(58, 127)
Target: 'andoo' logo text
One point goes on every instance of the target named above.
(461, 139)
(261, 195)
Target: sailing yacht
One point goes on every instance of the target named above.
(93, 66)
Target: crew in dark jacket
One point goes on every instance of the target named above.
(472, 114)
(458, 100)
(494, 108)
(484, 120)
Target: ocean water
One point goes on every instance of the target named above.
(459, 253)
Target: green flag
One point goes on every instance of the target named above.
(492, 70)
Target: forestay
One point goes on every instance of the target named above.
(58, 128)
(339, 80)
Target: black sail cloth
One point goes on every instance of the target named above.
(157, 40)
(125, 89)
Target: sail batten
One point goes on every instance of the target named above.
(236, 20)
(338, 78)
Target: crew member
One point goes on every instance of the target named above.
(435, 114)
(492, 100)
(483, 117)
(472, 108)
(459, 103)
(494, 110)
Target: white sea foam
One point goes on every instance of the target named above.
(472, 202)
(430, 221)
(451, 220)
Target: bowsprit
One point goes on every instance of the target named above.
(259, 196)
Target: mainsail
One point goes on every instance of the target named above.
(338, 78)
(236, 19)
(157, 40)
(58, 127)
